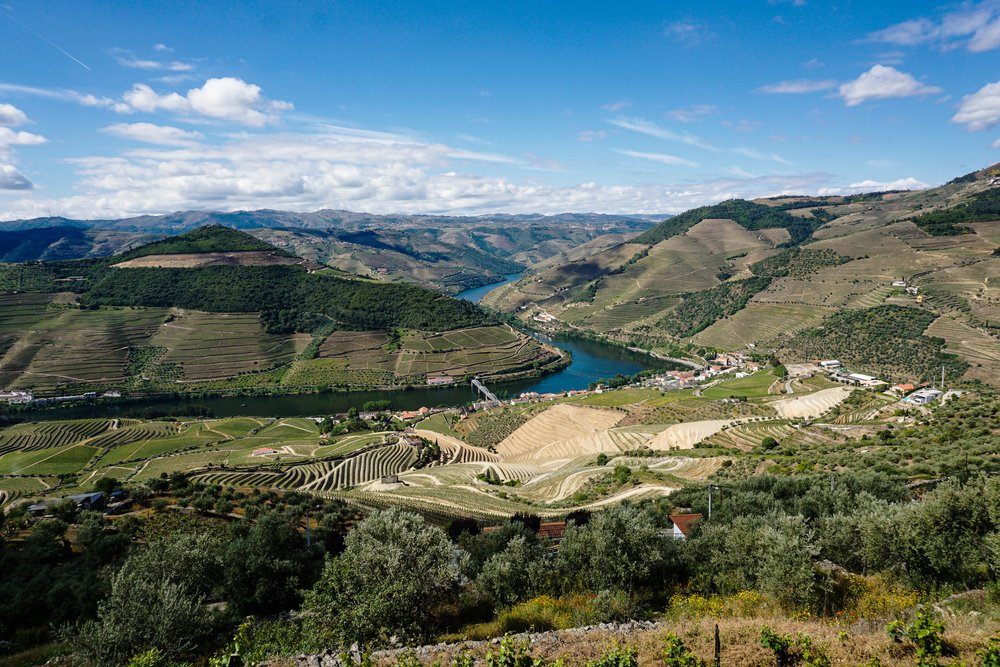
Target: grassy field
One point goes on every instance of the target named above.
(752, 386)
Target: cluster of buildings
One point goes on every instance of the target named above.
(19, 397)
(736, 364)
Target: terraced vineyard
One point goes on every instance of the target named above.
(32, 437)
(206, 346)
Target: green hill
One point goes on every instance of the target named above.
(752, 275)
(269, 322)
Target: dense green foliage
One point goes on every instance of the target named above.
(290, 291)
(885, 339)
(211, 238)
(702, 309)
(983, 207)
(43, 243)
(746, 214)
(797, 263)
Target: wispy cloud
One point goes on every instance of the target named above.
(664, 158)
(615, 107)
(692, 113)
(592, 135)
(687, 32)
(650, 128)
(66, 95)
(797, 87)
(154, 134)
(973, 25)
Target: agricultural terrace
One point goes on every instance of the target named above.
(581, 452)
(369, 358)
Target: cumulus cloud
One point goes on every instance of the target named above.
(10, 115)
(12, 179)
(882, 82)
(974, 26)
(9, 137)
(350, 168)
(663, 158)
(981, 109)
(226, 98)
(871, 185)
(797, 87)
(149, 133)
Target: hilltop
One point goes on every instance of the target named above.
(218, 309)
(771, 274)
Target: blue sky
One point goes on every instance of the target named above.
(122, 108)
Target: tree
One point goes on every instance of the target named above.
(157, 601)
(266, 564)
(506, 577)
(394, 572)
(619, 550)
(106, 484)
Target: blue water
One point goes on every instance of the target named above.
(476, 294)
(591, 362)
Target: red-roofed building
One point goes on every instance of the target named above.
(551, 530)
(683, 523)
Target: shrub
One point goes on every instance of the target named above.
(676, 654)
(618, 656)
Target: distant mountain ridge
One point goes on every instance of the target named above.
(446, 253)
(180, 221)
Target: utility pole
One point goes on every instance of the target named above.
(709, 502)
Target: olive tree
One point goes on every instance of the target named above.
(156, 601)
(394, 572)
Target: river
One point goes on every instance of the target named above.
(591, 362)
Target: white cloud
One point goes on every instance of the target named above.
(663, 158)
(687, 32)
(981, 109)
(882, 82)
(797, 87)
(692, 113)
(9, 137)
(12, 179)
(10, 115)
(162, 48)
(358, 169)
(871, 185)
(154, 134)
(650, 128)
(615, 107)
(227, 98)
(66, 95)
(975, 26)
(592, 135)
(154, 65)
(764, 157)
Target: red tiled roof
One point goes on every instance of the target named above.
(684, 522)
(551, 530)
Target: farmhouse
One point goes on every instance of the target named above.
(830, 364)
(683, 524)
(924, 396)
(899, 283)
(263, 451)
(901, 389)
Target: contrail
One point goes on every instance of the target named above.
(49, 42)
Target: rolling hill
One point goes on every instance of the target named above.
(447, 253)
(773, 273)
(217, 309)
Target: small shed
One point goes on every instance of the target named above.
(683, 524)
